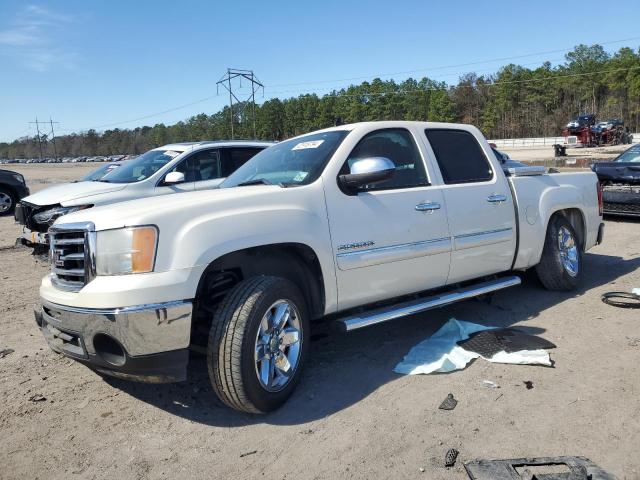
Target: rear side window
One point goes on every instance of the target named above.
(459, 156)
(234, 158)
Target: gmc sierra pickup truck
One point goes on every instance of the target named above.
(358, 224)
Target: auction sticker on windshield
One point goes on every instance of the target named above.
(172, 153)
(305, 145)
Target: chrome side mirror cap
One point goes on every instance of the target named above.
(367, 171)
(172, 178)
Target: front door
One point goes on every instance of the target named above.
(390, 238)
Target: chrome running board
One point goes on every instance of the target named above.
(410, 307)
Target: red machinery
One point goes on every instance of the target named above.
(578, 131)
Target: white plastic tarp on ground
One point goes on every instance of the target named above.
(441, 353)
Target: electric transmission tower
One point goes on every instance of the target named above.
(45, 136)
(225, 81)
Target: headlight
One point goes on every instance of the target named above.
(50, 216)
(126, 250)
(18, 177)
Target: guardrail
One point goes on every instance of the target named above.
(538, 141)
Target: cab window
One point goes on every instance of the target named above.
(398, 145)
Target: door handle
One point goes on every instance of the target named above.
(428, 207)
(496, 198)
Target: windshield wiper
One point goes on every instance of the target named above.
(255, 181)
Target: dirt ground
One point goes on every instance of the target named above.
(351, 416)
(546, 153)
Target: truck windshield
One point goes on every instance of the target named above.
(298, 161)
(631, 155)
(140, 168)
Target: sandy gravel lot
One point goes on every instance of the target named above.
(351, 416)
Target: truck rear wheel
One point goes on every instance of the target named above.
(560, 266)
(257, 344)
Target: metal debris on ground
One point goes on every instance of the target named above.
(489, 342)
(450, 457)
(528, 384)
(6, 351)
(37, 398)
(490, 384)
(246, 454)
(448, 403)
(622, 299)
(547, 468)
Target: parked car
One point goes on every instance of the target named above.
(363, 223)
(620, 181)
(174, 168)
(12, 189)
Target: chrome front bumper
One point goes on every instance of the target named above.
(144, 342)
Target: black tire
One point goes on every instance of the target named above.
(551, 270)
(7, 195)
(232, 343)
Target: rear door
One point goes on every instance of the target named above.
(233, 158)
(479, 204)
(205, 169)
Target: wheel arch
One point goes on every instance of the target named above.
(576, 217)
(297, 262)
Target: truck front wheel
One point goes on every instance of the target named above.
(560, 266)
(257, 344)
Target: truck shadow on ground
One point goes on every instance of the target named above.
(342, 369)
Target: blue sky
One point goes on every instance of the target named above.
(88, 64)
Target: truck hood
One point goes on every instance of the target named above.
(618, 172)
(167, 210)
(67, 192)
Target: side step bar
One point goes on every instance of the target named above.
(410, 307)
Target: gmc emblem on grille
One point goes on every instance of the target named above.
(56, 258)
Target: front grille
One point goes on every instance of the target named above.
(628, 208)
(70, 248)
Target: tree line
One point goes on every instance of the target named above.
(513, 102)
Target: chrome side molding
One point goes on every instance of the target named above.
(410, 307)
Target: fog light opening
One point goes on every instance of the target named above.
(109, 349)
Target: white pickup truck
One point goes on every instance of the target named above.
(359, 223)
(174, 168)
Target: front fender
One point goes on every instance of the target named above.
(208, 236)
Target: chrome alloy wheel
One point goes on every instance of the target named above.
(6, 202)
(278, 345)
(569, 255)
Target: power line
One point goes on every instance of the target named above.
(195, 102)
(431, 77)
(443, 67)
(106, 125)
(493, 84)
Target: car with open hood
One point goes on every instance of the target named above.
(620, 181)
(174, 168)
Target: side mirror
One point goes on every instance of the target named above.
(173, 178)
(367, 171)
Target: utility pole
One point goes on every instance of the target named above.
(225, 81)
(39, 138)
(53, 139)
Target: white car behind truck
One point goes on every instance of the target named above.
(174, 168)
(362, 223)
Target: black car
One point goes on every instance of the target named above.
(12, 189)
(620, 180)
